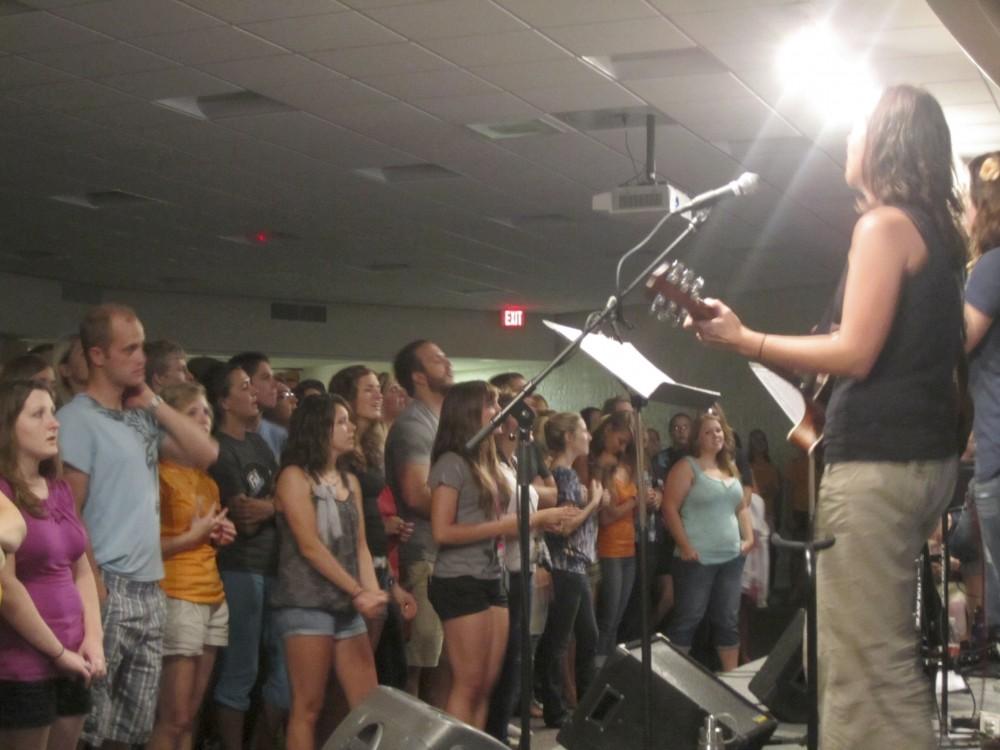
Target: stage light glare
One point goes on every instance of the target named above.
(815, 67)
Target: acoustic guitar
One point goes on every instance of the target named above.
(675, 292)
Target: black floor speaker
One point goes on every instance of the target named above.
(781, 682)
(390, 719)
(609, 717)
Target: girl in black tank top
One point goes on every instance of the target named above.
(890, 442)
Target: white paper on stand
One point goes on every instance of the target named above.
(628, 364)
(785, 394)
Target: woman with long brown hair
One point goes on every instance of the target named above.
(469, 495)
(51, 640)
(326, 585)
(707, 511)
(890, 440)
(359, 386)
(982, 342)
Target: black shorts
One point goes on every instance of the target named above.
(664, 555)
(465, 595)
(29, 705)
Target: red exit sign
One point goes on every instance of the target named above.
(512, 317)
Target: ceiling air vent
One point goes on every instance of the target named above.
(407, 173)
(498, 131)
(100, 199)
(221, 106)
(302, 313)
(637, 66)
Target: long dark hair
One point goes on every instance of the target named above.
(461, 418)
(370, 446)
(984, 196)
(907, 160)
(618, 421)
(13, 395)
(308, 445)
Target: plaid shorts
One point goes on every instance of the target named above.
(124, 703)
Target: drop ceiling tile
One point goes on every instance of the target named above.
(18, 71)
(972, 114)
(101, 59)
(621, 37)
(167, 84)
(49, 4)
(271, 75)
(863, 14)
(662, 91)
(365, 63)
(924, 69)
(543, 74)
(329, 31)
(248, 11)
(126, 19)
(746, 25)
(972, 91)
(501, 107)
(494, 49)
(594, 96)
(310, 135)
(695, 6)
(729, 120)
(433, 83)
(917, 41)
(216, 44)
(444, 18)
(366, 4)
(567, 12)
(28, 32)
(71, 96)
(321, 98)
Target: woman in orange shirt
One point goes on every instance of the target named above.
(192, 525)
(612, 462)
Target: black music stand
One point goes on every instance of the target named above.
(645, 382)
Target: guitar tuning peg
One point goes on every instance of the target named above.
(658, 301)
(662, 315)
(687, 277)
(696, 286)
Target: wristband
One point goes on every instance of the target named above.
(155, 404)
(357, 593)
(761, 349)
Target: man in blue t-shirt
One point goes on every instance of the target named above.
(111, 437)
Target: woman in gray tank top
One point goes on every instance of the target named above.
(890, 441)
(326, 581)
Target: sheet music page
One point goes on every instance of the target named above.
(622, 360)
(787, 396)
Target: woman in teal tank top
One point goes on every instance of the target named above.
(708, 513)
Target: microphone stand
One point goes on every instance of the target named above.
(517, 409)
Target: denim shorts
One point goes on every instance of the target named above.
(300, 621)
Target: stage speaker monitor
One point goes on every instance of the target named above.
(609, 717)
(781, 682)
(390, 719)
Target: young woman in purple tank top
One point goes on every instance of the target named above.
(51, 642)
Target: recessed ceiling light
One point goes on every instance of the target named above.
(498, 131)
(222, 106)
(638, 66)
(407, 173)
(100, 199)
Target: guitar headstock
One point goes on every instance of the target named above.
(676, 291)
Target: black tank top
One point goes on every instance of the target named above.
(906, 409)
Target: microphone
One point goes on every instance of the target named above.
(745, 184)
